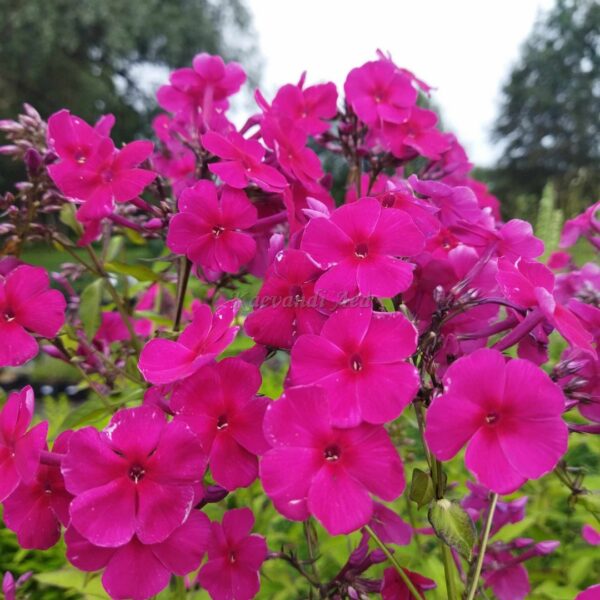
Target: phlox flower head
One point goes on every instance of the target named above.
(286, 305)
(209, 228)
(205, 87)
(20, 447)
(360, 246)
(335, 470)
(138, 571)
(241, 162)
(359, 359)
(507, 413)
(137, 477)
(380, 92)
(165, 361)
(36, 510)
(234, 558)
(96, 173)
(220, 405)
(27, 306)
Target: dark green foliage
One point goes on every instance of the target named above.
(98, 57)
(549, 116)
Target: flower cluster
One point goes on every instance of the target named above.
(400, 308)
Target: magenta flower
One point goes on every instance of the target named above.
(139, 571)
(394, 588)
(166, 361)
(20, 449)
(590, 535)
(335, 470)
(286, 305)
(530, 284)
(378, 91)
(509, 414)
(209, 228)
(389, 526)
(591, 593)
(241, 163)
(138, 477)
(360, 360)
(360, 246)
(100, 175)
(72, 138)
(27, 306)
(206, 86)
(220, 405)
(36, 510)
(234, 558)
(308, 108)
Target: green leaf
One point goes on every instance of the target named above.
(590, 501)
(90, 412)
(89, 308)
(140, 272)
(71, 579)
(421, 488)
(453, 524)
(67, 216)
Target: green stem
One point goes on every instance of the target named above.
(182, 283)
(405, 578)
(482, 547)
(451, 590)
(116, 299)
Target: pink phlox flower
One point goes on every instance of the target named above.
(241, 162)
(205, 87)
(286, 305)
(511, 240)
(394, 588)
(289, 144)
(209, 227)
(379, 92)
(335, 470)
(27, 306)
(507, 413)
(104, 176)
(137, 477)
(586, 225)
(303, 204)
(389, 526)
(10, 586)
(591, 593)
(590, 535)
(166, 361)
(20, 445)
(234, 558)
(220, 405)
(36, 510)
(138, 571)
(530, 284)
(478, 501)
(360, 360)
(361, 246)
(415, 136)
(456, 203)
(308, 108)
(581, 284)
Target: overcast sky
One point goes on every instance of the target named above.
(464, 48)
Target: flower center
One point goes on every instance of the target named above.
(356, 363)
(217, 230)
(492, 418)
(332, 453)
(8, 315)
(296, 293)
(222, 423)
(80, 157)
(107, 175)
(388, 200)
(361, 251)
(136, 473)
(232, 557)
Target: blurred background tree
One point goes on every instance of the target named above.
(549, 121)
(100, 57)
